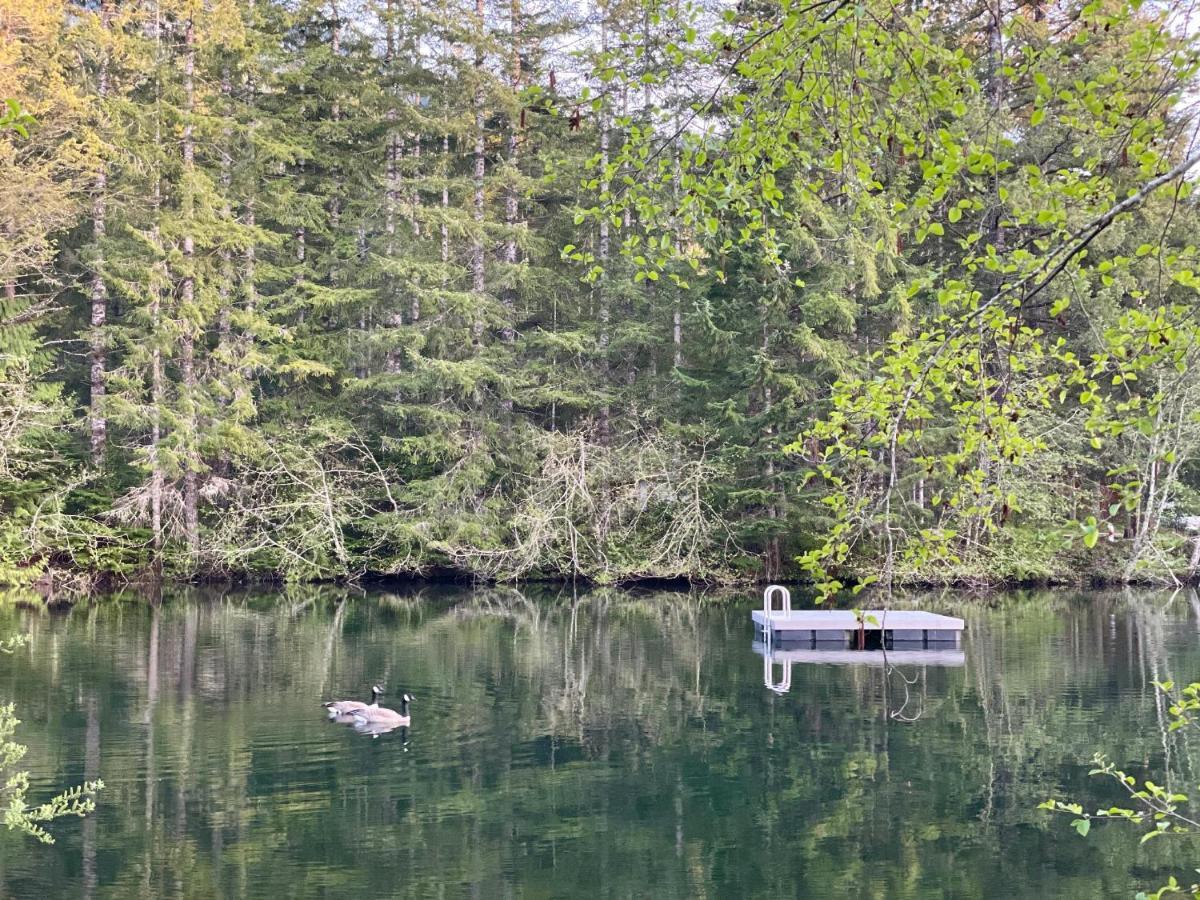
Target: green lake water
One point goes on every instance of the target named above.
(604, 744)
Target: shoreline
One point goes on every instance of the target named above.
(68, 586)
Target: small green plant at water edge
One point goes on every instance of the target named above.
(1154, 808)
(19, 816)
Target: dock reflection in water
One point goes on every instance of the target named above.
(782, 656)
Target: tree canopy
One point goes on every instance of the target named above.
(319, 288)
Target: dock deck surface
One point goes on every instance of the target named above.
(817, 620)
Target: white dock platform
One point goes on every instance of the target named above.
(872, 637)
(826, 624)
(834, 625)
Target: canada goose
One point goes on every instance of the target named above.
(381, 715)
(347, 707)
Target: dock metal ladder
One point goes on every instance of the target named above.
(785, 596)
(785, 607)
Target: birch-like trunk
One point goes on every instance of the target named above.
(773, 562)
(335, 202)
(99, 295)
(187, 297)
(445, 202)
(157, 395)
(478, 285)
(393, 173)
(414, 219)
(603, 248)
(511, 198)
(225, 288)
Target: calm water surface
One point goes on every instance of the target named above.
(609, 744)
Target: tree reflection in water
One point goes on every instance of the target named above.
(589, 744)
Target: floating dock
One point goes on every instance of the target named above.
(864, 630)
(872, 637)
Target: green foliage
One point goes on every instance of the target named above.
(978, 237)
(18, 814)
(902, 294)
(15, 118)
(1154, 809)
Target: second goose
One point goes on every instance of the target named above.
(349, 707)
(381, 715)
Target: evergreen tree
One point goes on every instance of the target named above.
(322, 287)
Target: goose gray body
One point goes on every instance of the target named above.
(381, 715)
(339, 709)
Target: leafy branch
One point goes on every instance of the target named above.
(1158, 810)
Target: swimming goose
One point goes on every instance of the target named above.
(347, 707)
(381, 715)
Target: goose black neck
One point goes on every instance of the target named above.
(404, 706)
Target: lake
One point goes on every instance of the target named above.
(604, 743)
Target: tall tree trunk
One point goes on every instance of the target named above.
(393, 173)
(225, 288)
(157, 479)
(677, 333)
(445, 201)
(773, 562)
(676, 311)
(991, 362)
(335, 202)
(511, 199)
(249, 291)
(602, 251)
(301, 255)
(414, 195)
(228, 370)
(250, 260)
(187, 295)
(996, 92)
(477, 250)
(99, 294)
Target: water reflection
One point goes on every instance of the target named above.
(375, 729)
(583, 745)
(778, 660)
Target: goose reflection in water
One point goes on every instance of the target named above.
(375, 729)
(372, 728)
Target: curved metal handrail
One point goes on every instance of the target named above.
(785, 594)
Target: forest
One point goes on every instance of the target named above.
(622, 290)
